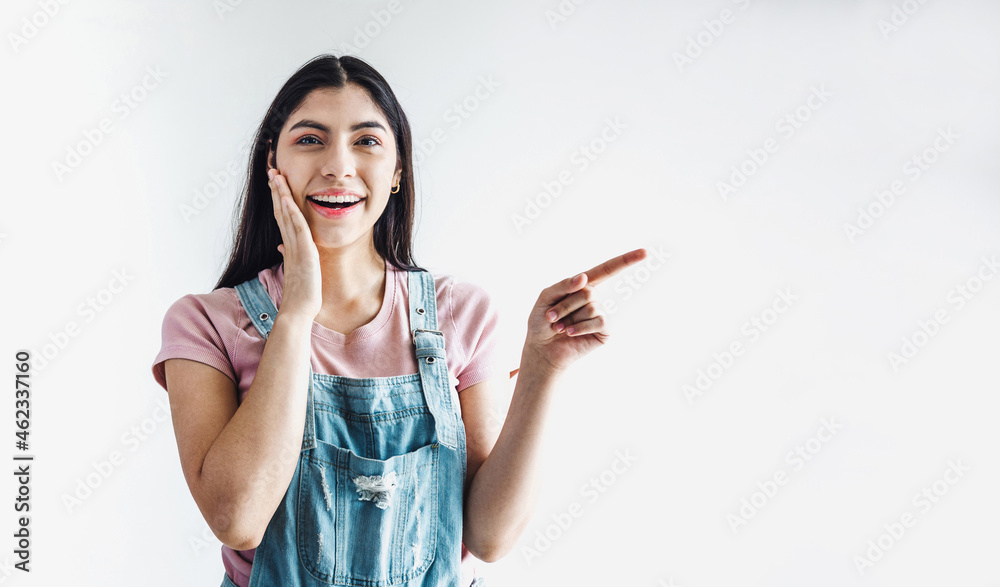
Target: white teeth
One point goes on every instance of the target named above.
(336, 199)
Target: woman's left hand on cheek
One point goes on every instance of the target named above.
(565, 323)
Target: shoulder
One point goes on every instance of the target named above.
(454, 293)
(458, 297)
(469, 318)
(213, 305)
(214, 316)
(200, 327)
(465, 310)
(221, 304)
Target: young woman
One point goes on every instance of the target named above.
(331, 399)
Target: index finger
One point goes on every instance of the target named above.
(612, 266)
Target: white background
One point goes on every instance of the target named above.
(689, 114)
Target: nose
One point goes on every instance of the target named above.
(339, 161)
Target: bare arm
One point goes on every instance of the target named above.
(238, 462)
(504, 488)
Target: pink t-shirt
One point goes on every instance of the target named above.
(213, 329)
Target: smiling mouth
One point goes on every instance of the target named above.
(334, 204)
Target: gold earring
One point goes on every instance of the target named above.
(395, 189)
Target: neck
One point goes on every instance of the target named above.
(353, 276)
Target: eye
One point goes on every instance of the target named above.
(370, 138)
(299, 142)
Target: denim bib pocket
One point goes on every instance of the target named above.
(376, 522)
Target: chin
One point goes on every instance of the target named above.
(332, 240)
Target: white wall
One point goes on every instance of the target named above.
(866, 98)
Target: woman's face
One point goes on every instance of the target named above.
(339, 142)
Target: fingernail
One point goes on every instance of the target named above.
(570, 330)
(552, 315)
(559, 328)
(270, 174)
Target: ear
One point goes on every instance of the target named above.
(271, 156)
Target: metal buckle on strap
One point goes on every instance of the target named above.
(415, 330)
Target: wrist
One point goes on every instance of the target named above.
(534, 363)
(293, 321)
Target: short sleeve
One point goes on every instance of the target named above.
(199, 327)
(475, 327)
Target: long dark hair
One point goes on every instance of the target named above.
(257, 233)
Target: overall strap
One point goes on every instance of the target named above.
(261, 310)
(431, 357)
(258, 305)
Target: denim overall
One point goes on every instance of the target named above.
(376, 498)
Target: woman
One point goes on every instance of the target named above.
(379, 467)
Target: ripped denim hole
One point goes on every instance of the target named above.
(417, 547)
(326, 490)
(377, 488)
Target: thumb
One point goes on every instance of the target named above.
(561, 289)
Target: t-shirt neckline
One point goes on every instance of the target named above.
(361, 332)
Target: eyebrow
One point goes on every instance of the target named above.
(324, 128)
